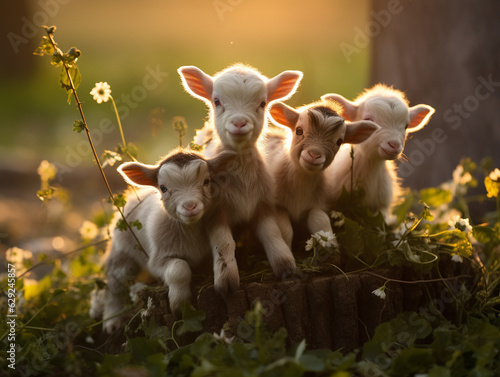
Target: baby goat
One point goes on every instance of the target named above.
(237, 98)
(174, 211)
(298, 168)
(374, 167)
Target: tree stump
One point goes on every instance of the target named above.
(334, 311)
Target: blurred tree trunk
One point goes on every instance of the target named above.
(19, 39)
(445, 54)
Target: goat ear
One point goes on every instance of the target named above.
(196, 82)
(139, 174)
(419, 117)
(357, 132)
(285, 115)
(283, 86)
(220, 162)
(349, 108)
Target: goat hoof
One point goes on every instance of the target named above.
(227, 279)
(177, 298)
(285, 268)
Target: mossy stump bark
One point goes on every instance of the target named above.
(335, 311)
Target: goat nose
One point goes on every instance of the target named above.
(393, 144)
(239, 123)
(190, 206)
(314, 154)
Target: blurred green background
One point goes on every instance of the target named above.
(121, 43)
(119, 40)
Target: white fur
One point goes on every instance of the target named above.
(297, 162)
(173, 232)
(374, 169)
(237, 98)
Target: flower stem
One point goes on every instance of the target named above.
(119, 122)
(125, 149)
(92, 147)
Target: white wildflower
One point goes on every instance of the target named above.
(16, 256)
(89, 339)
(149, 309)
(47, 171)
(326, 239)
(110, 158)
(88, 230)
(466, 178)
(457, 173)
(495, 175)
(310, 243)
(380, 292)
(448, 186)
(134, 289)
(460, 177)
(459, 223)
(338, 223)
(101, 92)
(336, 214)
(337, 219)
(222, 336)
(457, 258)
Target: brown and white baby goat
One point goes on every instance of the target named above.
(298, 165)
(174, 211)
(237, 98)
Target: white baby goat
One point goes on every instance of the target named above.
(237, 98)
(298, 168)
(374, 167)
(174, 211)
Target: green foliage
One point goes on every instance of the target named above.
(195, 147)
(70, 77)
(122, 225)
(110, 158)
(397, 349)
(435, 196)
(78, 126)
(57, 337)
(119, 201)
(180, 126)
(46, 195)
(130, 150)
(191, 319)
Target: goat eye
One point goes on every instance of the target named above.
(206, 182)
(217, 102)
(299, 131)
(339, 142)
(163, 188)
(263, 104)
